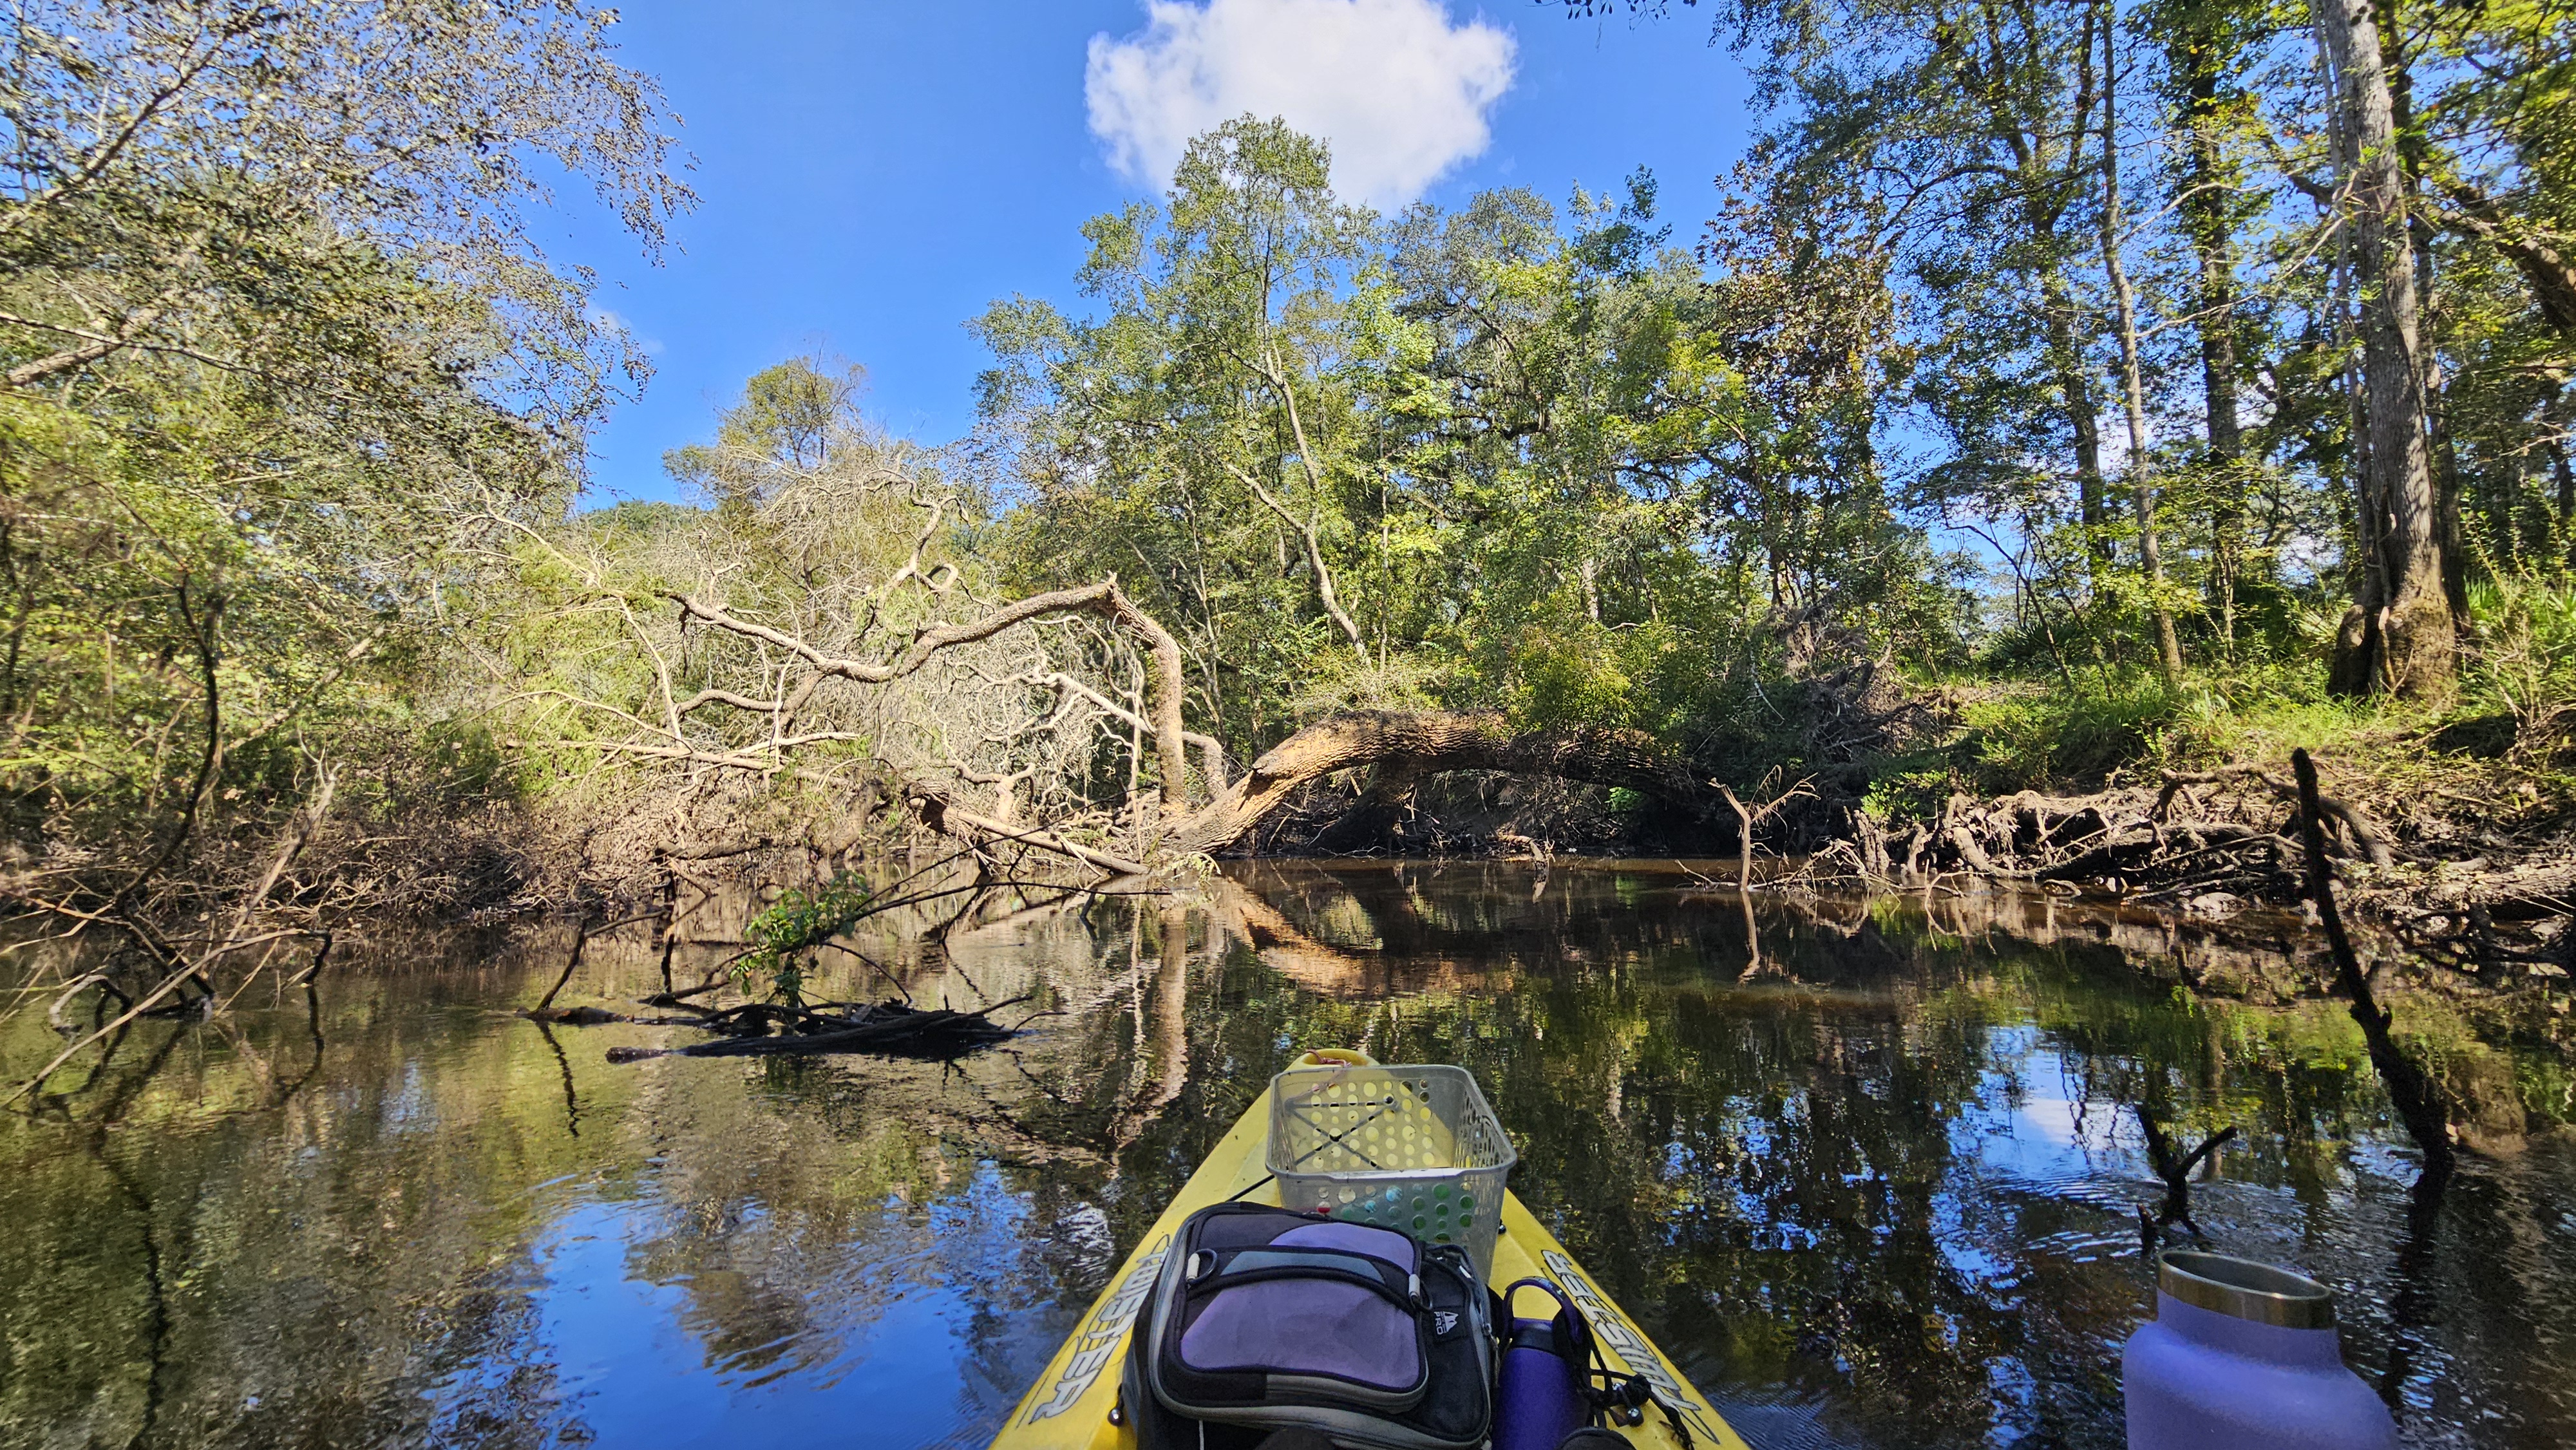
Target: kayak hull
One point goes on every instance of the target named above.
(1068, 1408)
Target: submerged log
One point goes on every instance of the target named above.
(890, 1028)
(574, 1016)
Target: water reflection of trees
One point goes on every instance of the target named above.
(1824, 1183)
(1796, 1183)
(200, 1251)
(1765, 1175)
(211, 1244)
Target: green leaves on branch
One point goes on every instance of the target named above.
(785, 936)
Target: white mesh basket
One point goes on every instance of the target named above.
(1410, 1147)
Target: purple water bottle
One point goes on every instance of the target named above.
(1538, 1398)
(2242, 1353)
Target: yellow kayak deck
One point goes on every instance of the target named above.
(1068, 1408)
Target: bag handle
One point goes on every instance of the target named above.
(1210, 1270)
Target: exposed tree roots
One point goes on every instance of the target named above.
(2183, 841)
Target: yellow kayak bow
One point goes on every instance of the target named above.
(1068, 1408)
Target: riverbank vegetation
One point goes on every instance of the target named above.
(2063, 413)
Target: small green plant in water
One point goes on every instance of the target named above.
(783, 936)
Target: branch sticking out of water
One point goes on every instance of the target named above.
(2176, 1172)
(545, 1010)
(2418, 1098)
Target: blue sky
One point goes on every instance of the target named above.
(871, 174)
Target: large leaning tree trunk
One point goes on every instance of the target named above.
(1412, 745)
(2398, 638)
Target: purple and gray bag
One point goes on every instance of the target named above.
(1266, 1319)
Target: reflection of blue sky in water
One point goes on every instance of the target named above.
(634, 1365)
(2028, 1133)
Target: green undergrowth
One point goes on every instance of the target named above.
(2507, 737)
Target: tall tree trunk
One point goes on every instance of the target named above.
(2207, 178)
(2142, 474)
(2353, 660)
(2443, 457)
(2033, 141)
(2445, 460)
(2083, 414)
(2405, 641)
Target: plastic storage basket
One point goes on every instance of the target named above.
(1414, 1148)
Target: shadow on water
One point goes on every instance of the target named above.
(1868, 1170)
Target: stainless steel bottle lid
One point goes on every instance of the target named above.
(2244, 1289)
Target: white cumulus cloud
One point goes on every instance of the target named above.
(1400, 92)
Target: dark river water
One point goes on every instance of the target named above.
(1877, 1191)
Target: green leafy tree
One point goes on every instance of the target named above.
(271, 359)
(1198, 438)
(790, 417)
(1487, 459)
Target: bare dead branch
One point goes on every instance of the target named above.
(1104, 599)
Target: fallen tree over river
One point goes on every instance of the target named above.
(874, 701)
(1052, 725)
